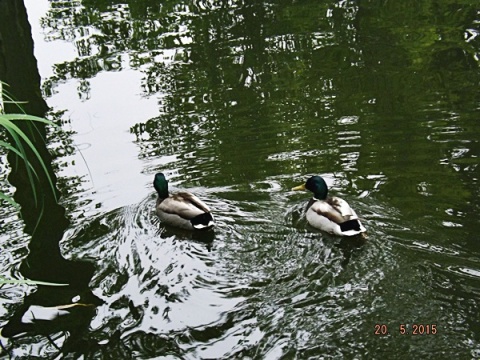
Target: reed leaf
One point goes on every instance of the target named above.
(9, 199)
(14, 133)
(27, 117)
(9, 147)
(7, 122)
(4, 94)
(4, 280)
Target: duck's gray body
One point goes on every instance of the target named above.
(330, 214)
(335, 216)
(183, 209)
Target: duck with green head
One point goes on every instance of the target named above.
(182, 209)
(330, 214)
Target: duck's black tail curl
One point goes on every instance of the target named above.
(350, 225)
(203, 221)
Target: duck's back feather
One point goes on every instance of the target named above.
(185, 210)
(183, 204)
(334, 208)
(334, 215)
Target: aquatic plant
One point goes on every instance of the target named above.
(9, 123)
(23, 147)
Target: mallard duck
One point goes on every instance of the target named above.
(182, 209)
(330, 214)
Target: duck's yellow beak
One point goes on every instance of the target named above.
(299, 187)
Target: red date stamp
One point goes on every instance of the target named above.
(408, 329)
(418, 329)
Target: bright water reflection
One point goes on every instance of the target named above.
(239, 103)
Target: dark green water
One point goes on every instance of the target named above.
(238, 102)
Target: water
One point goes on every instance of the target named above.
(239, 103)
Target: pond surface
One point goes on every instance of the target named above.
(239, 103)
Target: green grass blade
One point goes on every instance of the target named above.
(4, 94)
(10, 200)
(7, 146)
(4, 280)
(20, 117)
(1, 97)
(6, 124)
(12, 128)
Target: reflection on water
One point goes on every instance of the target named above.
(239, 102)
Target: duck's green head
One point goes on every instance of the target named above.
(160, 183)
(317, 185)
